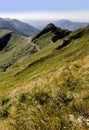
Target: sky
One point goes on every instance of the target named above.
(45, 9)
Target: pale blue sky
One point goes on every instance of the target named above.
(45, 9)
(43, 5)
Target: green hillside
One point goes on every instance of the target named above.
(49, 34)
(49, 89)
(13, 48)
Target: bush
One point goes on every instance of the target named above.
(22, 97)
(4, 113)
(4, 101)
(61, 100)
(41, 97)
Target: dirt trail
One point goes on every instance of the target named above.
(33, 44)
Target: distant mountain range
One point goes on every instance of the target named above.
(32, 27)
(17, 26)
(65, 24)
(72, 26)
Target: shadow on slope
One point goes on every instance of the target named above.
(4, 41)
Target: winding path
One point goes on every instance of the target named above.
(33, 44)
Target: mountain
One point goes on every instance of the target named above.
(48, 89)
(63, 23)
(17, 26)
(72, 26)
(49, 32)
(40, 24)
(14, 46)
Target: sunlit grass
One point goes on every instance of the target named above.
(48, 90)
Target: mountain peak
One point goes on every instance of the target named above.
(57, 32)
(51, 27)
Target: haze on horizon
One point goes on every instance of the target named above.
(77, 10)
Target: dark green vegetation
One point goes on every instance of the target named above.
(17, 26)
(58, 33)
(47, 89)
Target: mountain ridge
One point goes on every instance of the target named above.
(62, 23)
(57, 33)
(17, 26)
(70, 25)
(48, 89)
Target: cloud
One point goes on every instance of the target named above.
(79, 16)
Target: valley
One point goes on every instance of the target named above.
(44, 80)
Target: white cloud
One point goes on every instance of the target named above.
(78, 16)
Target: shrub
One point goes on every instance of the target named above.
(22, 97)
(4, 113)
(4, 101)
(61, 100)
(41, 97)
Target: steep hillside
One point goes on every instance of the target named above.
(18, 27)
(13, 47)
(50, 89)
(49, 34)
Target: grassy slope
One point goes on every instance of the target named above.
(16, 48)
(49, 94)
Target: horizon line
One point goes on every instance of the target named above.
(74, 16)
